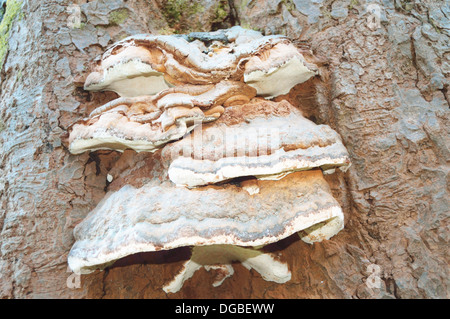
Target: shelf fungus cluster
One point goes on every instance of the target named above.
(210, 161)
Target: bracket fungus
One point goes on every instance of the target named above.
(222, 169)
(262, 138)
(146, 123)
(276, 71)
(147, 64)
(161, 216)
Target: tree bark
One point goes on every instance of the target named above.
(386, 93)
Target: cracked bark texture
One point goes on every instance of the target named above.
(386, 94)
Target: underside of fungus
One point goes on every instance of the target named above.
(221, 257)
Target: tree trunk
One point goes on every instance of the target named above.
(386, 94)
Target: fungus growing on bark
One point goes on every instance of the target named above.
(146, 123)
(160, 216)
(262, 138)
(252, 167)
(129, 72)
(276, 71)
(146, 64)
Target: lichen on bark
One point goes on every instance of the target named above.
(118, 17)
(13, 9)
(175, 10)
